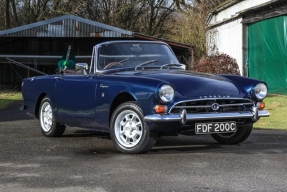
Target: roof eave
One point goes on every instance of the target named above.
(60, 18)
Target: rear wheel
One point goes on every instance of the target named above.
(239, 136)
(129, 131)
(49, 126)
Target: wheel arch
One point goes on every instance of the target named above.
(37, 107)
(119, 99)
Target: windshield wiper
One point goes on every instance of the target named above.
(146, 63)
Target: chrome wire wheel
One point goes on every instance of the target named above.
(46, 116)
(128, 128)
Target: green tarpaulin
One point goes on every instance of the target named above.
(267, 53)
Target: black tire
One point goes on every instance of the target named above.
(129, 131)
(48, 124)
(239, 136)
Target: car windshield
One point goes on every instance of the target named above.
(137, 55)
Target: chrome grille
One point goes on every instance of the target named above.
(219, 105)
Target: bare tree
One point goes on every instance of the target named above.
(21, 12)
(119, 13)
(59, 7)
(100, 11)
(154, 20)
(189, 25)
(144, 16)
(14, 9)
(36, 9)
(7, 14)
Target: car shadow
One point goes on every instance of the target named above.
(80, 132)
(184, 144)
(259, 142)
(14, 113)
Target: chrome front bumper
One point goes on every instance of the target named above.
(183, 117)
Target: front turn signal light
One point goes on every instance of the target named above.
(160, 108)
(260, 105)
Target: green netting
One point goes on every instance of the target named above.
(267, 53)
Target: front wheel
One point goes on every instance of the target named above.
(49, 126)
(239, 136)
(129, 131)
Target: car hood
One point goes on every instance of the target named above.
(190, 84)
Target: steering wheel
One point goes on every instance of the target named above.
(112, 64)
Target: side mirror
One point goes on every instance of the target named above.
(183, 67)
(82, 67)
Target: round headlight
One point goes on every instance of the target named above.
(260, 91)
(166, 93)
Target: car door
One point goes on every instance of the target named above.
(75, 97)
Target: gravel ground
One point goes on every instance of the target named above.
(84, 160)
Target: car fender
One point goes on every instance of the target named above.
(244, 84)
(109, 91)
(34, 89)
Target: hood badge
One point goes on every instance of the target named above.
(214, 96)
(214, 106)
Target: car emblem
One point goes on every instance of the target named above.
(214, 106)
(213, 96)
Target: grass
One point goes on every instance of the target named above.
(9, 97)
(276, 105)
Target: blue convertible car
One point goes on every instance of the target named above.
(138, 91)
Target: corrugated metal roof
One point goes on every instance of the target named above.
(226, 4)
(66, 26)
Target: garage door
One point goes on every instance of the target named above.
(267, 53)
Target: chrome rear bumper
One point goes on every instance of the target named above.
(183, 117)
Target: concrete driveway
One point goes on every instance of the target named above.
(83, 160)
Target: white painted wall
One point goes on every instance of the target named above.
(228, 39)
(228, 36)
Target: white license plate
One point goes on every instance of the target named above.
(215, 127)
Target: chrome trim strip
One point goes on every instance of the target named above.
(191, 107)
(238, 104)
(206, 99)
(193, 117)
(203, 116)
(263, 113)
(205, 106)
